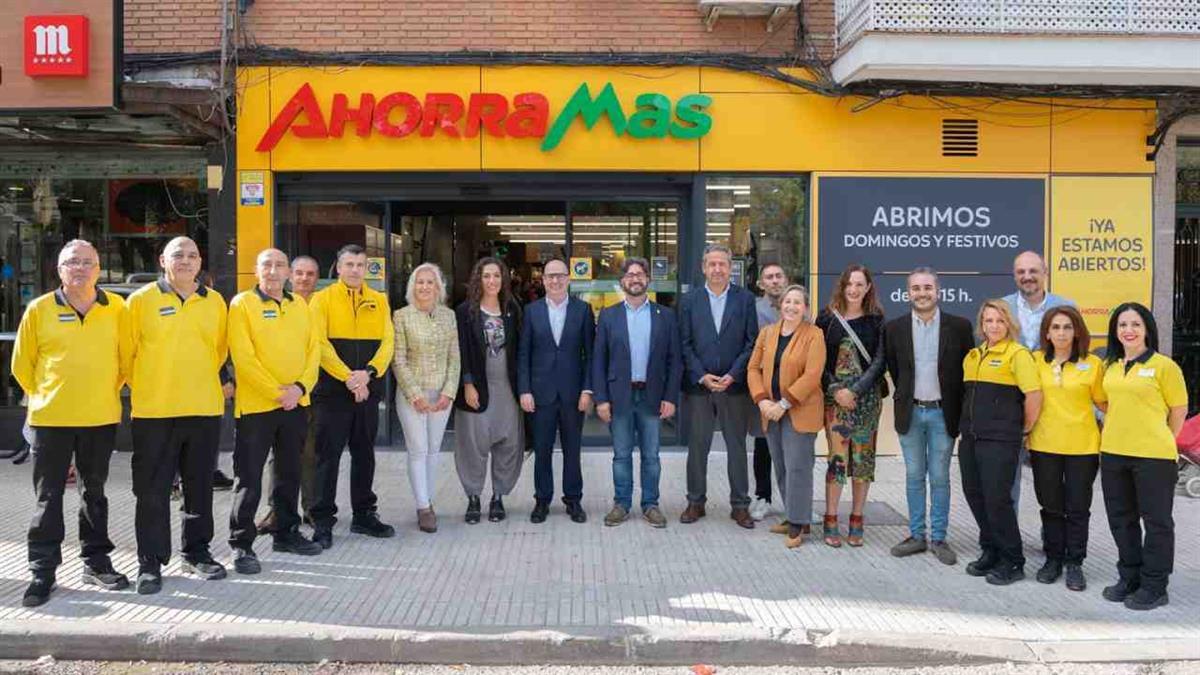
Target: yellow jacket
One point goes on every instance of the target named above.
(72, 367)
(179, 349)
(355, 332)
(273, 345)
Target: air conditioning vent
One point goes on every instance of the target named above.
(960, 138)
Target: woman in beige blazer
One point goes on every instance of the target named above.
(785, 382)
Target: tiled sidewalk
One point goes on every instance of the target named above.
(707, 579)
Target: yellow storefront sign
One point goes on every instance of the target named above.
(1101, 243)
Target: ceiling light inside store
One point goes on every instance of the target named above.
(728, 188)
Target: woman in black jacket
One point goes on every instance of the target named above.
(853, 396)
(487, 421)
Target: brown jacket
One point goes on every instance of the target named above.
(799, 374)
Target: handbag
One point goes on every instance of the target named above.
(862, 349)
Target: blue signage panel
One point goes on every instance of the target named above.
(968, 229)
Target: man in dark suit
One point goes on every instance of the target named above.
(925, 351)
(554, 382)
(718, 325)
(636, 370)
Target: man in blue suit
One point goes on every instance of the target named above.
(636, 370)
(718, 324)
(554, 382)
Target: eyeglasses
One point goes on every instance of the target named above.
(635, 275)
(78, 263)
(555, 276)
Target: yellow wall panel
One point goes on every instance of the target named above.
(816, 133)
(376, 152)
(254, 116)
(598, 149)
(1087, 140)
(721, 80)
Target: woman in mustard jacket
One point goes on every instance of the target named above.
(784, 376)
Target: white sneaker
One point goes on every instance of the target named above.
(760, 508)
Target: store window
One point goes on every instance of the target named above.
(761, 219)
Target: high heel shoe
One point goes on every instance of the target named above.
(833, 532)
(854, 531)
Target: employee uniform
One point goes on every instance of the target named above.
(273, 345)
(179, 352)
(354, 330)
(71, 367)
(995, 381)
(1065, 452)
(1138, 467)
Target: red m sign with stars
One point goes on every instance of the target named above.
(56, 46)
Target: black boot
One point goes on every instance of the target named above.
(1050, 572)
(473, 509)
(983, 564)
(496, 510)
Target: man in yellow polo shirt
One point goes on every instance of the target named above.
(354, 327)
(179, 350)
(71, 359)
(275, 358)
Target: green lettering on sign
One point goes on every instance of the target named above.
(651, 118)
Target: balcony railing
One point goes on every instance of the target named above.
(1058, 17)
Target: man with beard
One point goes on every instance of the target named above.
(636, 371)
(772, 280)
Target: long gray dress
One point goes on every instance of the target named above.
(497, 431)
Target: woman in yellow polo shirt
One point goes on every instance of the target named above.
(1002, 399)
(1065, 443)
(1147, 402)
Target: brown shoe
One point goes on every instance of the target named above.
(426, 521)
(743, 518)
(268, 525)
(692, 513)
(782, 527)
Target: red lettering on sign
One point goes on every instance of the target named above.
(361, 116)
(412, 114)
(304, 101)
(488, 111)
(442, 111)
(530, 118)
(56, 46)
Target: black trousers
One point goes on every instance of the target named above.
(988, 471)
(257, 435)
(338, 425)
(162, 447)
(1063, 484)
(762, 467)
(53, 449)
(547, 420)
(1140, 492)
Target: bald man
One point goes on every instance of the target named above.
(275, 357)
(179, 350)
(1031, 301)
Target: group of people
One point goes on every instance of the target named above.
(308, 372)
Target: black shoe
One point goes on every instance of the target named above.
(1075, 580)
(221, 481)
(246, 562)
(1119, 591)
(473, 510)
(371, 526)
(983, 564)
(292, 542)
(540, 511)
(324, 537)
(206, 568)
(104, 576)
(38, 591)
(1143, 599)
(1005, 574)
(149, 579)
(575, 510)
(1050, 571)
(496, 510)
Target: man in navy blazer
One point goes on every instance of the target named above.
(718, 324)
(554, 382)
(636, 370)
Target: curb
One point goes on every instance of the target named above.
(310, 643)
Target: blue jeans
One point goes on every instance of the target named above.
(638, 426)
(927, 449)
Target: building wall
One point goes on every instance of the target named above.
(452, 25)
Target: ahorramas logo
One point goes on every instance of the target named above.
(56, 46)
(527, 115)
